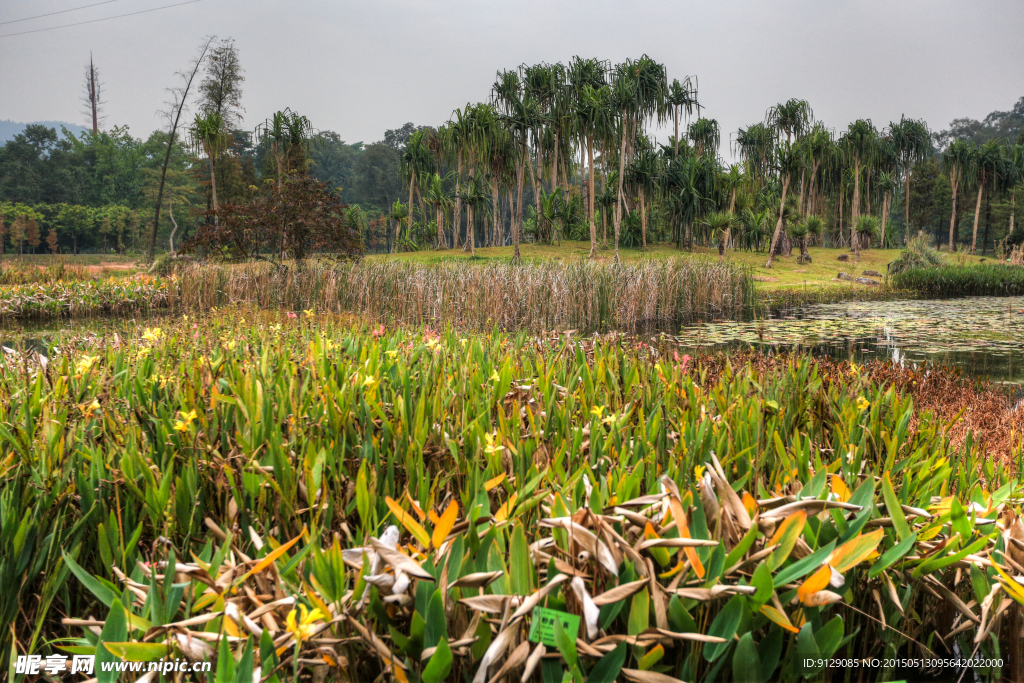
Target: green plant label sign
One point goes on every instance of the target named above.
(542, 627)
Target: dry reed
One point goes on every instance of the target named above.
(582, 295)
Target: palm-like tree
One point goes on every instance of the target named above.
(866, 228)
(682, 98)
(399, 213)
(985, 169)
(211, 138)
(887, 184)
(520, 112)
(787, 162)
(718, 224)
(792, 117)
(860, 142)
(913, 143)
(643, 174)
(957, 161)
(801, 230)
(437, 196)
(416, 162)
(592, 119)
(705, 136)
(274, 131)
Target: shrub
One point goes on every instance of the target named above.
(301, 217)
(973, 280)
(917, 254)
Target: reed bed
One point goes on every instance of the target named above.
(295, 497)
(543, 296)
(962, 280)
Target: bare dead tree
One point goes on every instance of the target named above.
(92, 96)
(172, 114)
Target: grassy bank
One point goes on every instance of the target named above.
(350, 504)
(784, 273)
(137, 295)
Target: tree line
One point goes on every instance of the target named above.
(554, 151)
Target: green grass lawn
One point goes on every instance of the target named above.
(785, 272)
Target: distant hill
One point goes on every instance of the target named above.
(8, 129)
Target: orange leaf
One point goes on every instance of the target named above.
(785, 536)
(444, 525)
(408, 521)
(684, 532)
(432, 516)
(814, 583)
(494, 482)
(415, 508)
(749, 503)
(502, 514)
(840, 489)
(779, 618)
(855, 551)
(268, 560)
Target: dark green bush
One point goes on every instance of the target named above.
(974, 280)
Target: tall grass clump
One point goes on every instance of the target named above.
(581, 295)
(962, 280)
(13, 273)
(293, 496)
(917, 254)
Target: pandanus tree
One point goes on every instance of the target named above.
(719, 223)
(705, 136)
(956, 159)
(210, 138)
(865, 228)
(817, 147)
(793, 117)
(802, 229)
(644, 174)
(416, 163)
(682, 98)
(787, 162)
(638, 95)
(859, 143)
(288, 134)
(913, 143)
(519, 112)
(399, 214)
(887, 185)
(592, 119)
(437, 196)
(985, 168)
(1012, 178)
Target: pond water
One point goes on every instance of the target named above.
(982, 335)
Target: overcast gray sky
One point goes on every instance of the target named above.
(360, 68)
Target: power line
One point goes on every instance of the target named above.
(63, 11)
(93, 21)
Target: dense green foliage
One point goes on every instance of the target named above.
(954, 280)
(206, 444)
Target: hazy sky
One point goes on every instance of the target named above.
(360, 68)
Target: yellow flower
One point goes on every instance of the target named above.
(309, 312)
(491, 448)
(495, 377)
(863, 403)
(231, 345)
(85, 363)
(90, 409)
(143, 352)
(391, 354)
(597, 411)
(698, 472)
(304, 627)
(151, 334)
(185, 318)
(186, 419)
(368, 382)
(609, 420)
(853, 368)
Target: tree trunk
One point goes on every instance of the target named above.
(954, 180)
(170, 212)
(517, 222)
(778, 225)
(977, 213)
(643, 220)
(855, 206)
(456, 227)
(622, 171)
(590, 197)
(536, 196)
(906, 199)
(841, 214)
(213, 191)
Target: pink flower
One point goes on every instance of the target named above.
(292, 315)
(379, 332)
